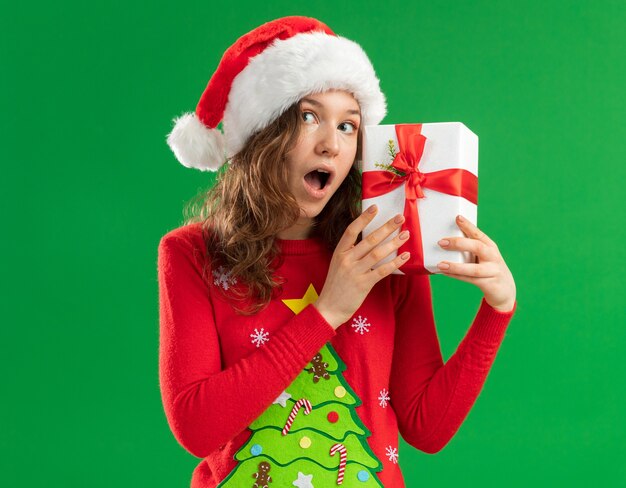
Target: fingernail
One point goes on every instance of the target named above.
(444, 242)
(372, 209)
(461, 219)
(443, 265)
(398, 219)
(404, 235)
(405, 255)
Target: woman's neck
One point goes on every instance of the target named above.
(298, 231)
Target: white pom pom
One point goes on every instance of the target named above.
(195, 145)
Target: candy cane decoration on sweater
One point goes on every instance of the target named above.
(294, 411)
(343, 456)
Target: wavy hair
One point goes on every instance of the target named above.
(251, 203)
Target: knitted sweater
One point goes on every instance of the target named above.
(219, 371)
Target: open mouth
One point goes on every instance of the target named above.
(317, 179)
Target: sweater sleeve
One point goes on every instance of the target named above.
(431, 400)
(205, 405)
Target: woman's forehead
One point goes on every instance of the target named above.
(333, 96)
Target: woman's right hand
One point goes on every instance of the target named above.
(350, 275)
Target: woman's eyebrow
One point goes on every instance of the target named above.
(318, 104)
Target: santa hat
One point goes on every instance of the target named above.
(260, 76)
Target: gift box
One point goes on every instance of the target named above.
(428, 173)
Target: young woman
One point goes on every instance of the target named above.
(273, 272)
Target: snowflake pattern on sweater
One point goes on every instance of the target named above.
(260, 337)
(222, 278)
(361, 325)
(392, 454)
(383, 398)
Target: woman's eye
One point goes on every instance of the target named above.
(304, 116)
(351, 127)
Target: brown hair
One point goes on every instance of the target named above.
(251, 202)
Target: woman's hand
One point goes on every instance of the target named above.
(350, 276)
(490, 273)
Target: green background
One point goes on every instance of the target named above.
(88, 91)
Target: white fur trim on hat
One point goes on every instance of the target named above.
(292, 68)
(196, 145)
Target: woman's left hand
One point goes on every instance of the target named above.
(490, 273)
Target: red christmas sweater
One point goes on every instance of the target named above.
(219, 371)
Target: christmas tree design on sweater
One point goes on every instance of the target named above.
(311, 436)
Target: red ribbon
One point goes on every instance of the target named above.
(455, 181)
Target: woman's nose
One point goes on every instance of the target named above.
(328, 142)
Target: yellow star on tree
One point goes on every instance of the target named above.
(299, 304)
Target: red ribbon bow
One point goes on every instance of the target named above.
(455, 181)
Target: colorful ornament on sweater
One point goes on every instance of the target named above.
(310, 437)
